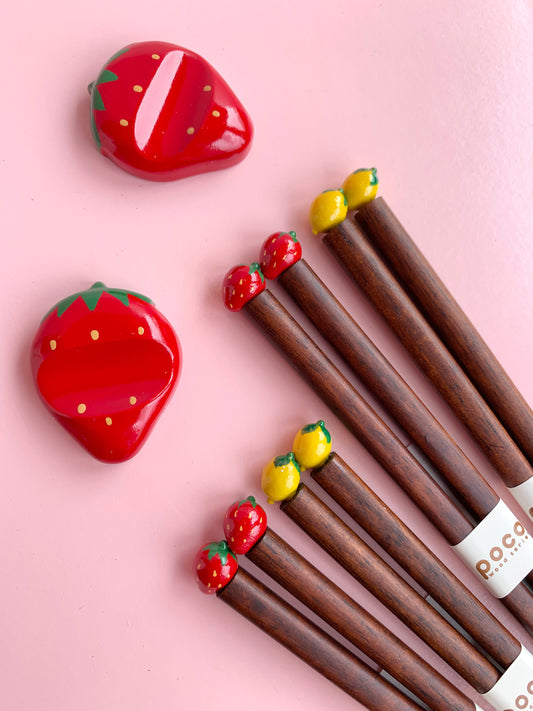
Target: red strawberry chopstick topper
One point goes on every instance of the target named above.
(245, 523)
(241, 284)
(105, 361)
(162, 112)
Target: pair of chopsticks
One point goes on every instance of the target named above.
(278, 618)
(350, 243)
(472, 618)
(451, 518)
(420, 281)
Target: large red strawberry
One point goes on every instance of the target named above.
(279, 252)
(105, 362)
(214, 567)
(245, 523)
(241, 284)
(162, 112)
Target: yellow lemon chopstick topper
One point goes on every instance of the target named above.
(312, 445)
(280, 478)
(360, 187)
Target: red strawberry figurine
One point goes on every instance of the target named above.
(162, 112)
(279, 252)
(244, 524)
(241, 284)
(214, 566)
(105, 361)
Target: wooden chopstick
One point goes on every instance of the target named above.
(268, 611)
(305, 582)
(364, 507)
(345, 401)
(327, 529)
(370, 365)
(361, 262)
(385, 232)
(342, 398)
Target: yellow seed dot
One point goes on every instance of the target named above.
(207, 87)
(53, 345)
(190, 130)
(133, 400)
(108, 421)
(140, 330)
(123, 122)
(216, 113)
(82, 407)
(95, 335)
(137, 88)
(156, 56)
(214, 573)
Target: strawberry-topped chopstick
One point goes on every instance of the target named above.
(217, 571)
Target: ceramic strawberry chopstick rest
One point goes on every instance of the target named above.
(105, 362)
(162, 112)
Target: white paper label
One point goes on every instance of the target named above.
(499, 550)
(514, 689)
(523, 493)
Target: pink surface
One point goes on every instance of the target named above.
(99, 607)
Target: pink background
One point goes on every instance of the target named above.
(98, 605)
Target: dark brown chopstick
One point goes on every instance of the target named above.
(410, 553)
(363, 265)
(370, 365)
(362, 421)
(327, 529)
(260, 605)
(344, 400)
(305, 582)
(385, 232)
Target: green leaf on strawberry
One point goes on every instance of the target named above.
(214, 565)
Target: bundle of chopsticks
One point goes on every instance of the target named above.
(376, 252)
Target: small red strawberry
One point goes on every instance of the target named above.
(279, 252)
(214, 567)
(241, 284)
(162, 112)
(105, 361)
(244, 524)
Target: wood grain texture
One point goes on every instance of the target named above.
(360, 419)
(366, 361)
(361, 262)
(307, 584)
(286, 625)
(345, 487)
(385, 232)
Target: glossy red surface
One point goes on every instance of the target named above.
(241, 284)
(214, 567)
(162, 112)
(245, 523)
(279, 251)
(105, 363)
